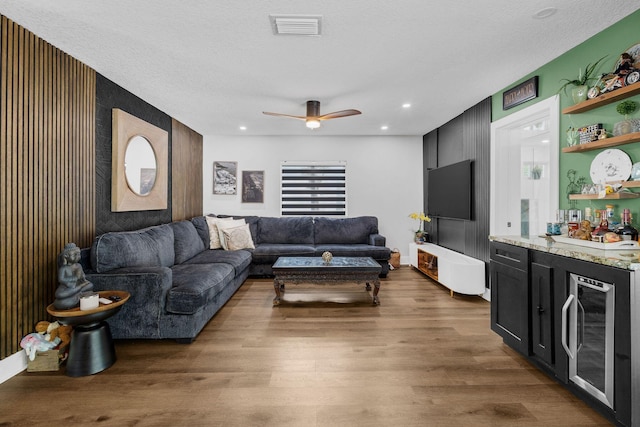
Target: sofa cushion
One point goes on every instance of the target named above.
(344, 230)
(200, 223)
(239, 260)
(148, 247)
(294, 230)
(186, 241)
(195, 285)
(268, 253)
(379, 253)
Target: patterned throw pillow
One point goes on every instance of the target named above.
(238, 238)
(227, 223)
(214, 233)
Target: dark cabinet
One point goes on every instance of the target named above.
(542, 318)
(530, 291)
(510, 295)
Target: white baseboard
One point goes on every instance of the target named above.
(12, 365)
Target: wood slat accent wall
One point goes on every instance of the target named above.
(186, 175)
(47, 168)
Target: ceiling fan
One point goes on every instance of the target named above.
(313, 117)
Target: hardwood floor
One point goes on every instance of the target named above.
(421, 358)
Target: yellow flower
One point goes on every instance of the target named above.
(420, 216)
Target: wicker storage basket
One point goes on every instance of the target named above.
(394, 261)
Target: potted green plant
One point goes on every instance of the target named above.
(536, 172)
(625, 126)
(580, 84)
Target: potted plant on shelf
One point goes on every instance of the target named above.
(580, 85)
(420, 236)
(625, 126)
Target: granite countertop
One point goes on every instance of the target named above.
(627, 259)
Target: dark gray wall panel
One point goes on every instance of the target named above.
(429, 161)
(108, 96)
(477, 137)
(464, 137)
(451, 234)
(451, 142)
(430, 150)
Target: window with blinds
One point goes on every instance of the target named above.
(313, 188)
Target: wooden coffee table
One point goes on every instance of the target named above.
(316, 271)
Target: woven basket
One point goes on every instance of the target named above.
(395, 259)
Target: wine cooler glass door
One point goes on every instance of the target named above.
(589, 317)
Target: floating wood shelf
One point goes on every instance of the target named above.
(604, 99)
(604, 143)
(614, 196)
(631, 184)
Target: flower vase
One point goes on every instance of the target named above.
(579, 93)
(419, 238)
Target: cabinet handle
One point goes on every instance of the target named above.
(565, 309)
(540, 309)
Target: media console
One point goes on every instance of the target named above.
(458, 272)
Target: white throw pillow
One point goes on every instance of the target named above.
(222, 225)
(238, 238)
(214, 234)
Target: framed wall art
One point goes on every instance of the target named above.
(225, 178)
(252, 186)
(521, 93)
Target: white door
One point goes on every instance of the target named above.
(524, 170)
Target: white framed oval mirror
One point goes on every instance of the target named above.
(140, 165)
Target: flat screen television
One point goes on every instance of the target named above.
(449, 191)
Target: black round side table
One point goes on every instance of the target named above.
(91, 349)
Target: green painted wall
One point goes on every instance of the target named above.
(611, 42)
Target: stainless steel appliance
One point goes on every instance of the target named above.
(587, 335)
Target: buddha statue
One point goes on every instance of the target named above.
(71, 279)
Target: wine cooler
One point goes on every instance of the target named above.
(588, 336)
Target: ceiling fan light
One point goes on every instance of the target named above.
(313, 123)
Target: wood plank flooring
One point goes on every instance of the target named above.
(325, 357)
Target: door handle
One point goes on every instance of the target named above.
(565, 309)
(581, 334)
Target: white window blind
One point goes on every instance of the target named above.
(314, 188)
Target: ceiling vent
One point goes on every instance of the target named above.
(296, 25)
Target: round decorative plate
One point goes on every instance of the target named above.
(609, 166)
(635, 172)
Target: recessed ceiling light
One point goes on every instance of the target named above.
(545, 141)
(407, 105)
(243, 128)
(545, 13)
(385, 127)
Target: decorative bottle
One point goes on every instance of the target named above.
(604, 225)
(626, 231)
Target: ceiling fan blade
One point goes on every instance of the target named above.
(338, 114)
(284, 115)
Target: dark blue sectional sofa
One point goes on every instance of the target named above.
(177, 284)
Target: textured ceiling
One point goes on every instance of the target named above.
(216, 65)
